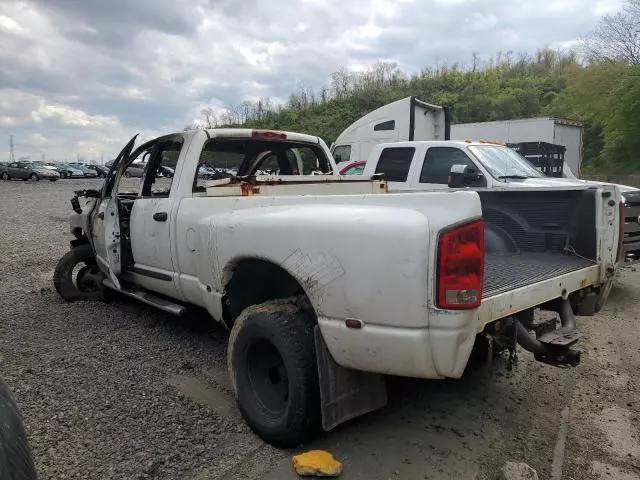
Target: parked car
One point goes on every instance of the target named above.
(86, 170)
(207, 172)
(68, 171)
(354, 167)
(98, 170)
(136, 169)
(28, 171)
(50, 166)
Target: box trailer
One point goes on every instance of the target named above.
(549, 130)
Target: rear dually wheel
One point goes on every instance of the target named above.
(272, 365)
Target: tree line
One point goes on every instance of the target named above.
(598, 83)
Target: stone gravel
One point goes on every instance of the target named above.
(122, 391)
(107, 390)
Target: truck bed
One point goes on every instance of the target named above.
(504, 272)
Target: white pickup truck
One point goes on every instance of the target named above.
(410, 119)
(328, 282)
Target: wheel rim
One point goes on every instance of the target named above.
(5, 176)
(34, 177)
(85, 276)
(268, 377)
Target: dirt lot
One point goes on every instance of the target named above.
(121, 391)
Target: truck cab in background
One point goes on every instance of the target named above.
(407, 119)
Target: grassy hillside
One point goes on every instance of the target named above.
(605, 96)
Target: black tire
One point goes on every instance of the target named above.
(272, 366)
(53, 179)
(5, 176)
(82, 288)
(16, 460)
(34, 177)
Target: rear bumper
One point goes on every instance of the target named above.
(443, 348)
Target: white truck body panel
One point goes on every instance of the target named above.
(342, 282)
(550, 130)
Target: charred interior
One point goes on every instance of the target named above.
(537, 235)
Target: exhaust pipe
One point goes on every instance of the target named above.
(553, 347)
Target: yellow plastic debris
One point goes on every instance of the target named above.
(316, 463)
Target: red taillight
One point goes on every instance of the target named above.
(461, 266)
(620, 231)
(268, 134)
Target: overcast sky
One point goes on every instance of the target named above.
(80, 77)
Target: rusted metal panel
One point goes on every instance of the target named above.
(301, 185)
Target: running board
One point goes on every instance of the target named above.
(149, 298)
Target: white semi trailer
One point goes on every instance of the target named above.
(556, 131)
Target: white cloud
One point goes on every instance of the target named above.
(74, 117)
(478, 22)
(8, 24)
(38, 140)
(88, 75)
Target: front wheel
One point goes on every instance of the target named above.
(77, 276)
(272, 366)
(34, 177)
(5, 176)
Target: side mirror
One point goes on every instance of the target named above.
(462, 176)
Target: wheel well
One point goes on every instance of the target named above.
(254, 281)
(80, 237)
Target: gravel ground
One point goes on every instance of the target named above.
(119, 390)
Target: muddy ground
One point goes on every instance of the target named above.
(119, 391)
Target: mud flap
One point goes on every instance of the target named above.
(345, 393)
(604, 295)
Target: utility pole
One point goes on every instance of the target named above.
(12, 154)
(43, 157)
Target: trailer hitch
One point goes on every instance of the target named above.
(553, 346)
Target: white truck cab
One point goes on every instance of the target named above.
(427, 166)
(407, 119)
